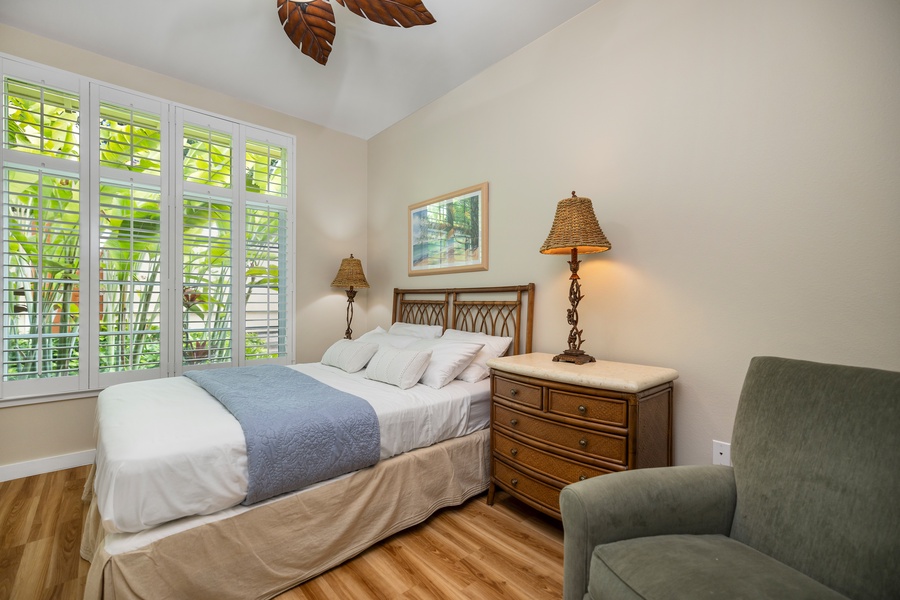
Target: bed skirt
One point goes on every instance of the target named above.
(270, 548)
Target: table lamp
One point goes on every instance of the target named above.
(575, 229)
(350, 276)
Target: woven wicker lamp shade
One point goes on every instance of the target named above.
(350, 275)
(575, 226)
(575, 229)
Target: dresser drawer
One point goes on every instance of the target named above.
(606, 446)
(517, 482)
(516, 453)
(522, 393)
(608, 411)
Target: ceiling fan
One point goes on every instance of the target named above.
(310, 25)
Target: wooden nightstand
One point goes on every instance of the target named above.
(555, 423)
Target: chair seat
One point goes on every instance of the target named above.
(695, 566)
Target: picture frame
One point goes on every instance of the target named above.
(449, 234)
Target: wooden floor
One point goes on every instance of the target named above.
(474, 551)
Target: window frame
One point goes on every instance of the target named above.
(172, 187)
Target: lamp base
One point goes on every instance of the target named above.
(578, 357)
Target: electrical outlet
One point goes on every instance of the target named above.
(721, 453)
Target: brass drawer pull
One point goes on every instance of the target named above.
(514, 482)
(582, 409)
(513, 392)
(514, 451)
(582, 442)
(513, 422)
(582, 478)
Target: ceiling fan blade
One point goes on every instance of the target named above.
(395, 13)
(310, 26)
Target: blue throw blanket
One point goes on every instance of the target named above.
(299, 431)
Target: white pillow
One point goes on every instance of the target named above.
(399, 367)
(448, 359)
(349, 355)
(378, 329)
(494, 346)
(427, 332)
(382, 338)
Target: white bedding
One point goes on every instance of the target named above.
(166, 449)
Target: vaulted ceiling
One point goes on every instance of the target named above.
(375, 76)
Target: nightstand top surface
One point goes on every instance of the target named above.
(619, 377)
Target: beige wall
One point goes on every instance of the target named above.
(742, 158)
(330, 214)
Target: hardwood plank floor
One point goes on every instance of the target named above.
(506, 551)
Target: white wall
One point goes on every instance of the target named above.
(743, 158)
(331, 223)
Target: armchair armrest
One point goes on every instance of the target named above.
(641, 503)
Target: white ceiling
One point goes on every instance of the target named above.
(375, 77)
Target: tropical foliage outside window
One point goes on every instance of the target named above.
(45, 237)
(41, 262)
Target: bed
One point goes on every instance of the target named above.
(220, 548)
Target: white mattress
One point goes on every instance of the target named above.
(166, 449)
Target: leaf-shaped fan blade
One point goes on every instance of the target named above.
(310, 25)
(403, 13)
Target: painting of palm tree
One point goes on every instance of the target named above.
(449, 233)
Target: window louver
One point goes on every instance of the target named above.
(265, 293)
(130, 283)
(41, 259)
(40, 120)
(265, 169)
(129, 139)
(207, 156)
(206, 280)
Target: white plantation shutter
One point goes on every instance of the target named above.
(268, 245)
(207, 155)
(209, 332)
(42, 339)
(41, 119)
(265, 265)
(139, 238)
(130, 139)
(41, 233)
(266, 168)
(130, 237)
(207, 288)
(130, 283)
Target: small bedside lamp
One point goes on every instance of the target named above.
(350, 275)
(575, 229)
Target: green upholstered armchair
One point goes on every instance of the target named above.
(810, 509)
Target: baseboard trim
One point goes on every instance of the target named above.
(46, 465)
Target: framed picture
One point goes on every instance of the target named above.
(449, 234)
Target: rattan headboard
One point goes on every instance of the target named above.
(506, 311)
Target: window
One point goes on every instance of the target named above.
(130, 287)
(41, 274)
(265, 169)
(207, 283)
(40, 120)
(265, 262)
(127, 252)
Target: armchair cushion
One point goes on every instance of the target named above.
(645, 502)
(697, 566)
